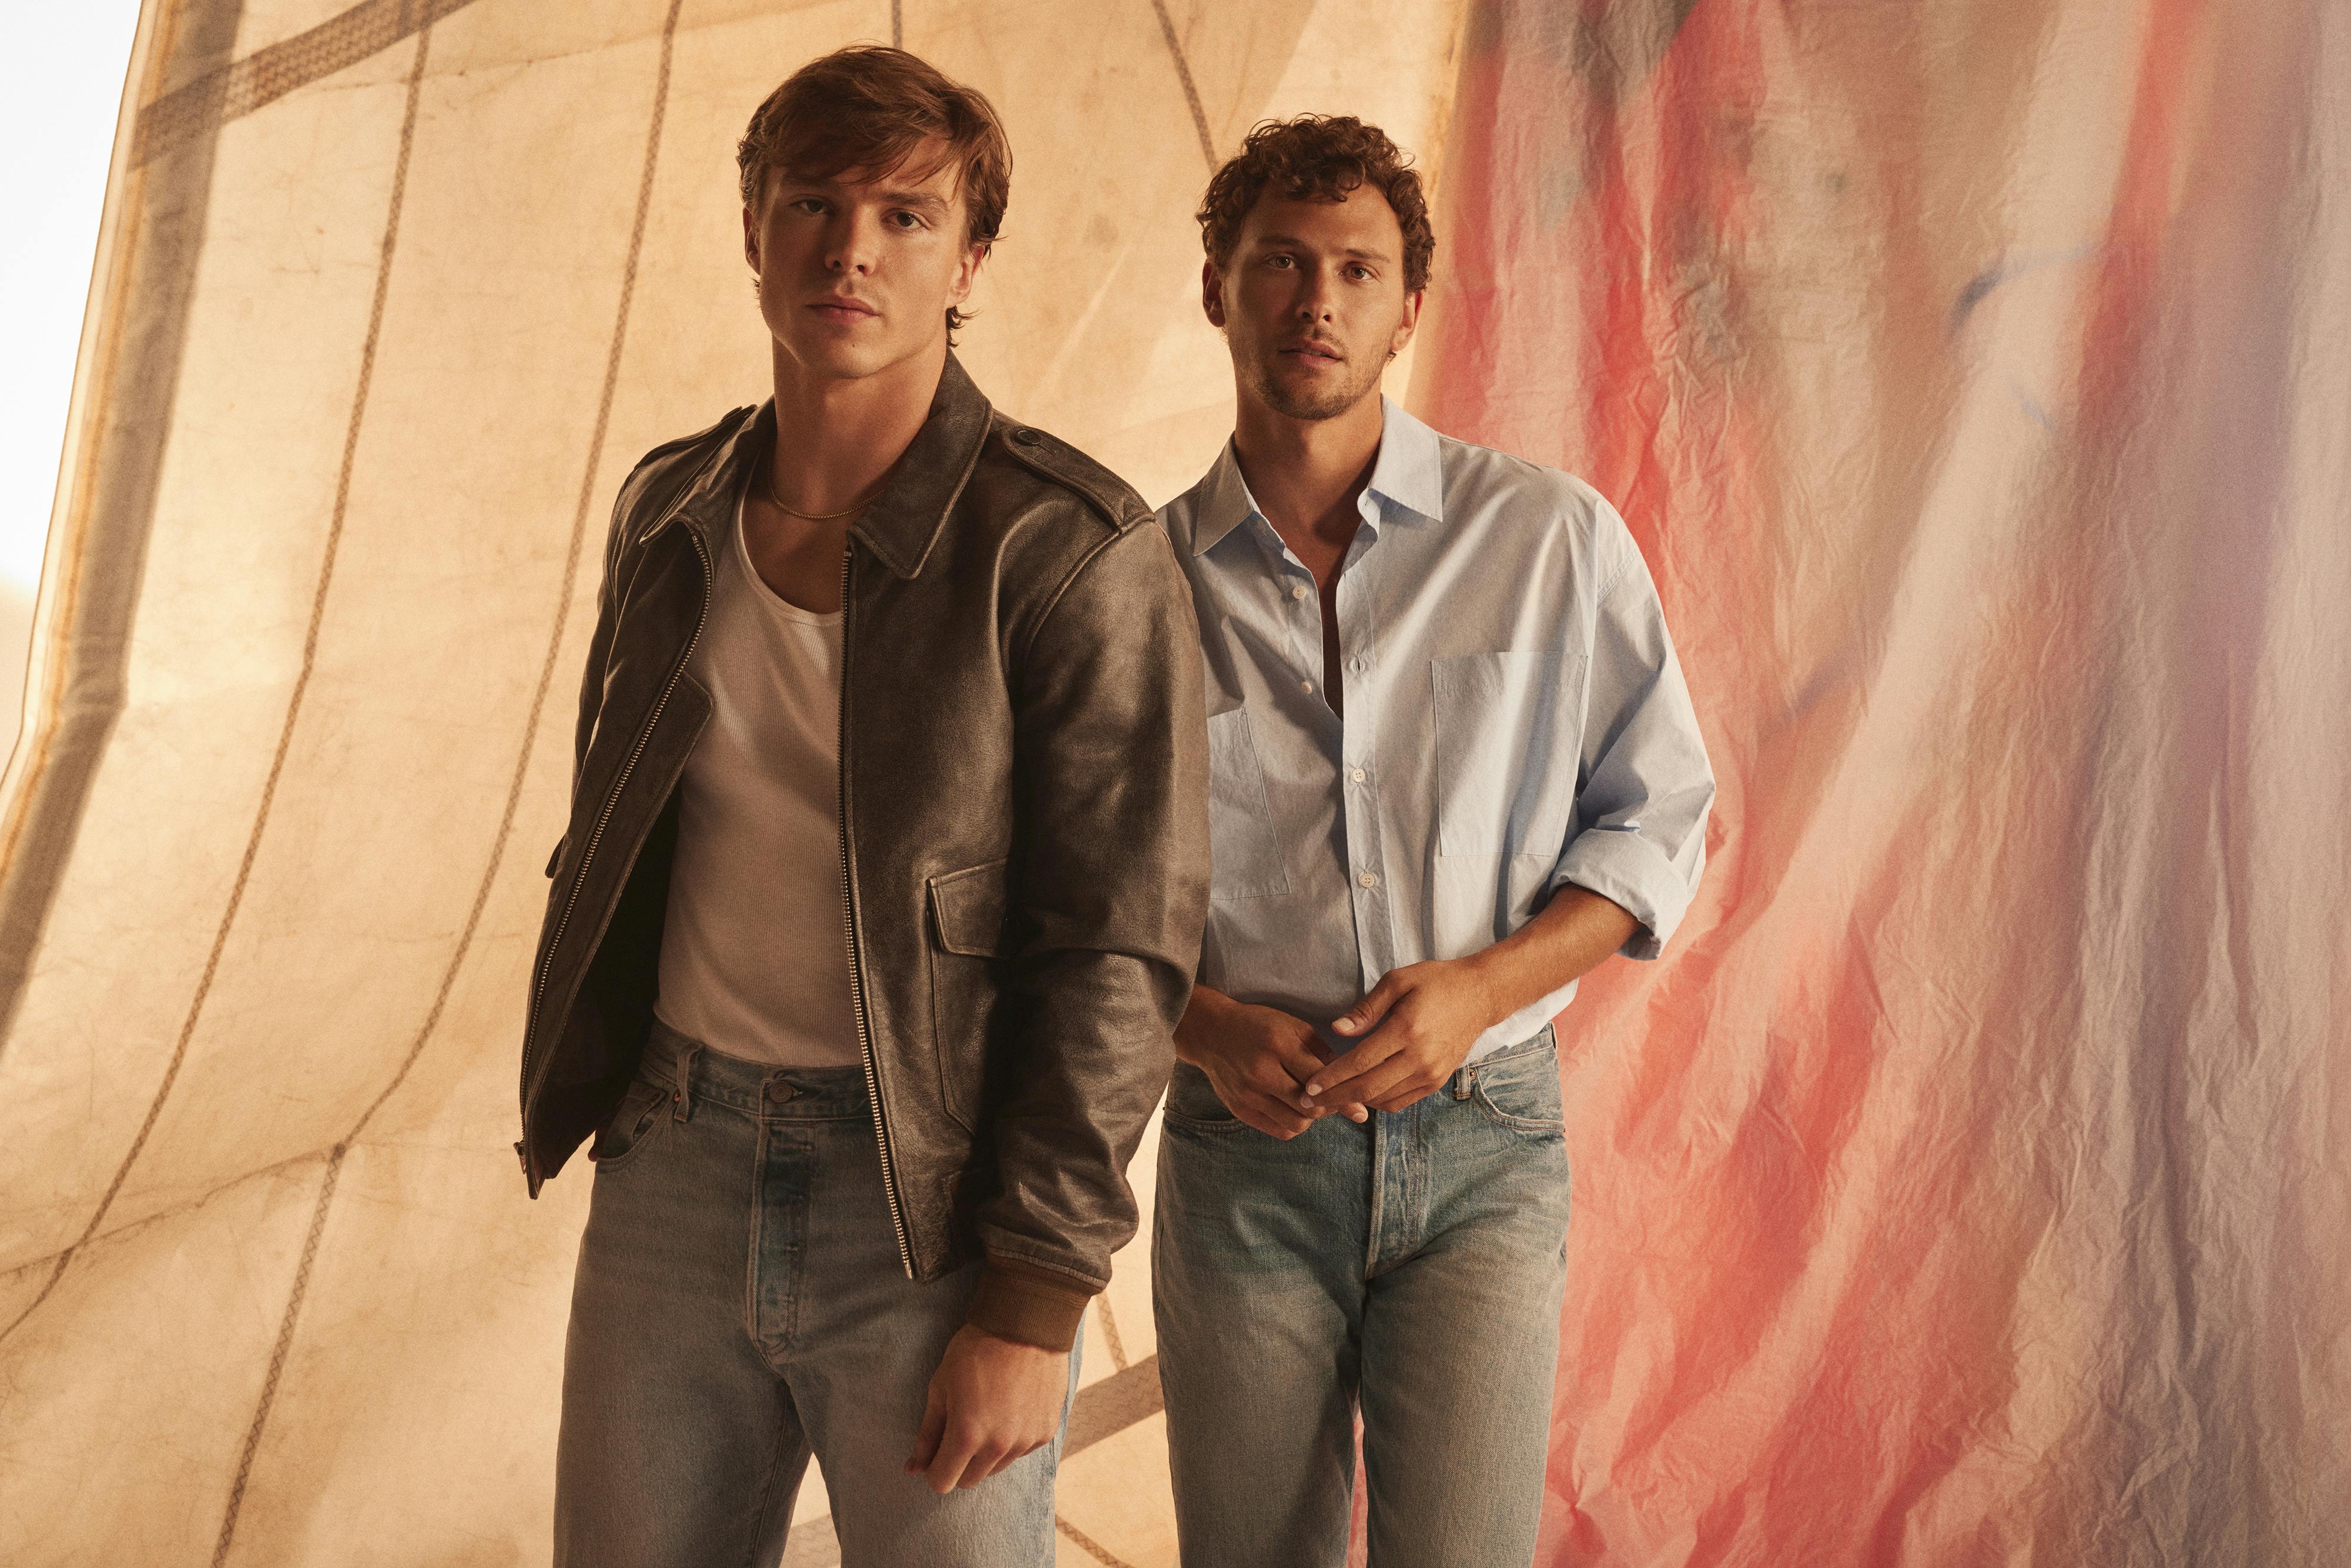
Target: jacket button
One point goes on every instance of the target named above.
(1025, 436)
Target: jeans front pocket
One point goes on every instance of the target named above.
(633, 1125)
(1244, 854)
(1506, 751)
(1193, 1106)
(1521, 1091)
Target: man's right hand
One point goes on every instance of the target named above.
(1258, 1061)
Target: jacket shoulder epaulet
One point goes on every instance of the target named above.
(662, 462)
(725, 426)
(1063, 464)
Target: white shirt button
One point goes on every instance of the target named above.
(1368, 880)
(1357, 775)
(1298, 591)
(1306, 685)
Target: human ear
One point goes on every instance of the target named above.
(1405, 329)
(1212, 294)
(967, 274)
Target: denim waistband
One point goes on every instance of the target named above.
(695, 1074)
(1543, 1039)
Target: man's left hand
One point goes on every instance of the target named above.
(1421, 1021)
(991, 1401)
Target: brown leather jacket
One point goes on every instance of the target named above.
(1023, 823)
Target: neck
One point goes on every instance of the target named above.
(836, 438)
(1307, 473)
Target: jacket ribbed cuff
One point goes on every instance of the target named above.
(1027, 1304)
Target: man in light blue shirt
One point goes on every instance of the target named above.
(1453, 766)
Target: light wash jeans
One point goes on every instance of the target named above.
(1414, 1264)
(739, 1304)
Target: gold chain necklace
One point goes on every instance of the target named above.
(777, 501)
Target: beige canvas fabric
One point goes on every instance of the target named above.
(392, 296)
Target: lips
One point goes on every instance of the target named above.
(843, 308)
(1310, 350)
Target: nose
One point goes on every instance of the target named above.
(849, 243)
(1313, 303)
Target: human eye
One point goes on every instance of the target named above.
(1361, 272)
(1279, 261)
(904, 220)
(808, 206)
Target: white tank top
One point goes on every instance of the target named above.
(754, 955)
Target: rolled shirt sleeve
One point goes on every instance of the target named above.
(1639, 834)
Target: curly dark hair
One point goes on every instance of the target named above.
(1318, 158)
(867, 107)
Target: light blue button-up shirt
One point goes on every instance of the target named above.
(1515, 719)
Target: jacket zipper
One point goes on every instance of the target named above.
(588, 854)
(848, 927)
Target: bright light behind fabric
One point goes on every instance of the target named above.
(1965, 1186)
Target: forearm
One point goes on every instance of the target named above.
(1563, 941)
(1089, 1033)
(1111, 865)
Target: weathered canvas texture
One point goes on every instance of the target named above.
(1964, 1187)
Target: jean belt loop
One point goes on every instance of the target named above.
(681, 1094)
(1462, 1078)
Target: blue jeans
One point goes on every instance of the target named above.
(1414, 1265)
(739, 1304)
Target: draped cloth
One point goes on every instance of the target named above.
(1965, 1186)
(1968, 1185)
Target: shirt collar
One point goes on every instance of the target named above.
(1409, 473)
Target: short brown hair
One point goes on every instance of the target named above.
(866, 108)
(1318, 158)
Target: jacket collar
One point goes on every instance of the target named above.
(905, 520)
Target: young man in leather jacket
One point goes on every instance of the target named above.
(880, 897)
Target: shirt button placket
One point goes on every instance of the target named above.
(1300, 593)
(1374, 941)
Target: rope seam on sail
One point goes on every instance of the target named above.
(1184, 75)
(293, 704)
(271, 72)
(522, 764)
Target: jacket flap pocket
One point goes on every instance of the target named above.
(968, 911)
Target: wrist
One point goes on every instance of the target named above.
(1489, 1004)
(994, 1341)
(1203, 1015)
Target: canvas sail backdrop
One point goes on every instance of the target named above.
(1964, 1187)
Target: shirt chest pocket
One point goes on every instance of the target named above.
(1508, 727)
(1245, 855)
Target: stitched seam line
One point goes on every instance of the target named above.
(293, 704)
(272, 72)
(1184, 75)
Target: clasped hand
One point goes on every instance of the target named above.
(1274, 1074)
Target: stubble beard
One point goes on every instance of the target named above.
(1298, 402)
